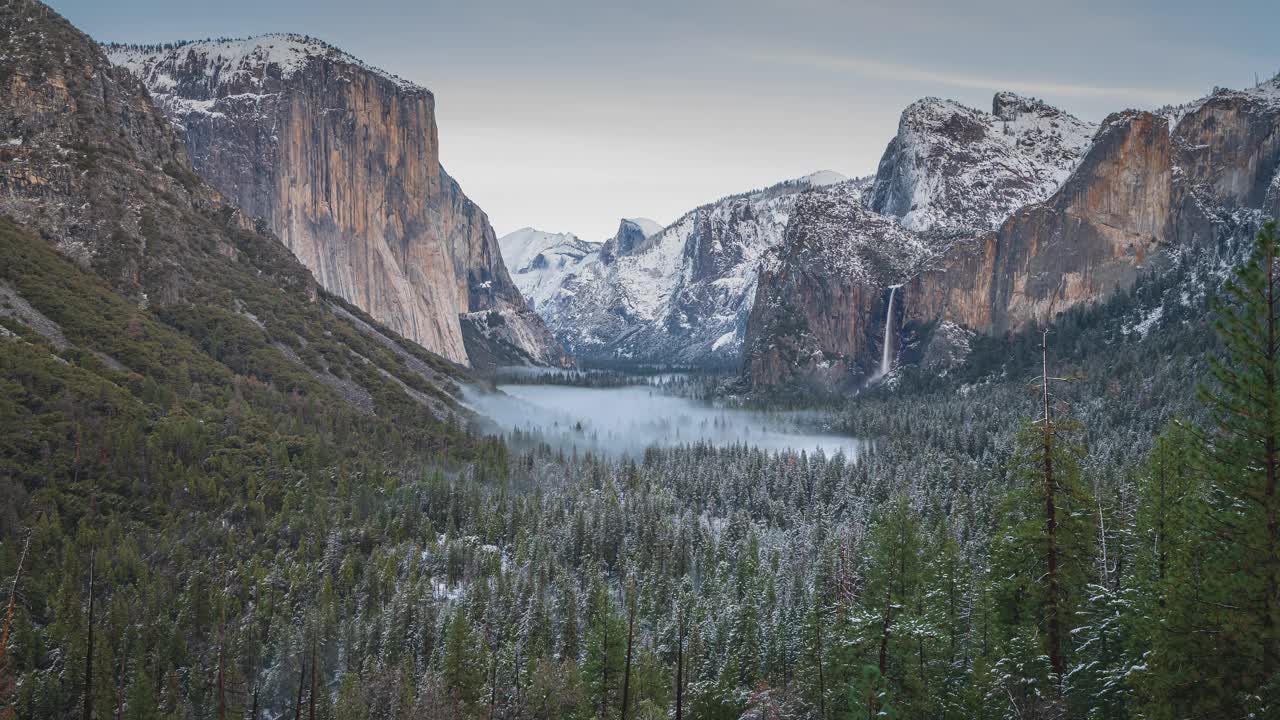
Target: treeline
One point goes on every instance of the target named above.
(1005, 552)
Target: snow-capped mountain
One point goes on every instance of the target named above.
(679, 295)
(956, 167)
(539, 262)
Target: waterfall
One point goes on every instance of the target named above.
(886, 358)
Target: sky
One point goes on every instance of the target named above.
(569, 115)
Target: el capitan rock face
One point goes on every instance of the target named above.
(1139, 189)
(342, 162)
(89, 165)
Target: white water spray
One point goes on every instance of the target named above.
(886, 358)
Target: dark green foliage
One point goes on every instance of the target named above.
(1212, 497)
(243, 503)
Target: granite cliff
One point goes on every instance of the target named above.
(1145, 185)
(165, 266)
(342, 162)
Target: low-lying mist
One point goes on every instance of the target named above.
(626, 420)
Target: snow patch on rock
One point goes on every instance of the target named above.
(956, 167)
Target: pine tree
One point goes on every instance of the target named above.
(1043, 557)
(605, 643)
(893, 579)
(461, 666)
(1167, 601)
(1239, 603)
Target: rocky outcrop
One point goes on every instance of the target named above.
(955, 167)
(1088, 240)
(822, 301)
(1140, 190)
(73, 134)
(342, 162)
(630, 235)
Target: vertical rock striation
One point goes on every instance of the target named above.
(342, 162)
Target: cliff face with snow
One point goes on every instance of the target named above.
(952, 166)
(822, 299)
(1106, 211)
(679, 295)
(341, 161)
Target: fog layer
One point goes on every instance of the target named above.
(626, 420)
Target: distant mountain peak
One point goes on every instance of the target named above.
(647, 226)
(1009, 106)
(823, 178)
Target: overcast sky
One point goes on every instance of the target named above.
(566, 116)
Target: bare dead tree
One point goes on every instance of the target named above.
(266, 634)
(222, 650)
(311, 703)
(13, 601)
(302, 682)
(1053, 600)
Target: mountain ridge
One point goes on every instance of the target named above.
(680, 295)
(1140, 191)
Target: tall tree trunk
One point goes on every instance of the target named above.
(311, 702)
(1162, 542)
(493, 665)
(886, 623)
(1053, 621)
(266, 635)
(222, 653)
(817, 632)
(1271, 448)
(604, 672)
(302, 681)
(626, 674)
(680, 662)
(13, 599)
(120, 682)
(88, 655)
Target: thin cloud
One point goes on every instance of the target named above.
(881, 70)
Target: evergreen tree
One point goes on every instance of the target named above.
(605, 645)
(462, 664)
(1043, 557)
(1167, 595)
(893, 583)
(1237, 597)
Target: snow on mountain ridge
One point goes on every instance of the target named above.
(1266, 92)
(952, 166)
(239, 60)
(647, 226)
(681, 294)
(540, 261)
(822, 178)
